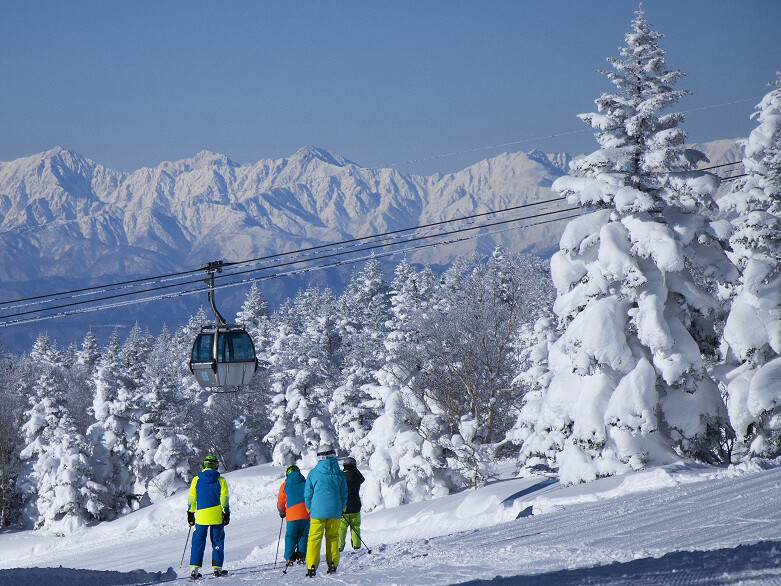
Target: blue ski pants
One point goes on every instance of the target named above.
(296, 534)
(199, 544)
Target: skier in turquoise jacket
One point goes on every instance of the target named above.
(325, 496)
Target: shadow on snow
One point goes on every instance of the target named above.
(680, 568)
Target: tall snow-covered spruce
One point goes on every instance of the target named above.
(630, 385)
(753, 328)
(56, 482)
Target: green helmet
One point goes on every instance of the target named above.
(210, 462)
(290, 469)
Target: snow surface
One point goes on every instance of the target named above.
(696, 524)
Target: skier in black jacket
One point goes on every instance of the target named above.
(352, 515)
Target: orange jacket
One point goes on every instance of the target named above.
(295, 512)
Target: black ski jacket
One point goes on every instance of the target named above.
(354, 480)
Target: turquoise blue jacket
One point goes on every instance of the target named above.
(325, 492)
(294, 488)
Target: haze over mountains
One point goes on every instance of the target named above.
(66, 221)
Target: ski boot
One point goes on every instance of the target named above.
(218, 572)
(311, 573)
(331, 570)
(195, 574)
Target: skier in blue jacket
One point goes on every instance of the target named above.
(325, 496)
(209, 512)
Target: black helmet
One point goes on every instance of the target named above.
(349, 463)
(291, 468)
(210, 462)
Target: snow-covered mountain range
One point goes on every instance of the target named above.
(67, 221)
(62, 214)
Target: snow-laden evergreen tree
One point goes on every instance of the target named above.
(254, 317)
(132, 357)
(90, 352)
(117, 410)
(71, 355)
(45, 352)
(532, 345)
(56, 481)
(162, 457)
(753, 328)
(364, 311)
(404, 466)
(304, 362)
(15, 379)
(630, 385)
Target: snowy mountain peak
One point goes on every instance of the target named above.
(309, 154)
(202, 160)
(559, 161)
(55, 156)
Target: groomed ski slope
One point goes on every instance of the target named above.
(676, 525)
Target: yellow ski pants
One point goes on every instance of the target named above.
(316, 528)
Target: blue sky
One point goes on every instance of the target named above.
(134, 83)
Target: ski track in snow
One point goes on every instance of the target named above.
(662, 526)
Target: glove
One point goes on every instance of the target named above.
(281, 515)
(190, 518)
(226, 518)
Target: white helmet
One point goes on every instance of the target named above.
(325, 451)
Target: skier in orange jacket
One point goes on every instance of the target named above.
(290, 504)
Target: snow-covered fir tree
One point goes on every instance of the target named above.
(90, 352)
(162, 457)
(405, 467)
(254, 317)
(364, 311)
(753, 329)
(71, 355)
(15, 382)
(56, 481)
(117, 412)
(630, 386)
(304, 362)
(45, 352)
(532, 346)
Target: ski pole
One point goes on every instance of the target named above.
(185, 545)
(358, 532)
(281, 522)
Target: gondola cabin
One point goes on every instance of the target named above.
(223, 356)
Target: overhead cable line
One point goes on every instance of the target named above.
(246, 280)
(284, 264)
(131, 281)
(98, 288)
